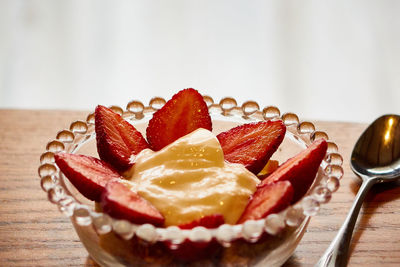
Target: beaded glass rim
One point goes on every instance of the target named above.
(80, 131)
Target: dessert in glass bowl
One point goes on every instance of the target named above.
(190, 182)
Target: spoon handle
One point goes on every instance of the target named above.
(337, 253)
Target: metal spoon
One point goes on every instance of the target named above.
(376, 159)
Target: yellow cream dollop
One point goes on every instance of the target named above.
(189, 179)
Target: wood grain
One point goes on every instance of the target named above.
(34, 233)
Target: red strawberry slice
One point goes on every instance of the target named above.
(268, 199)
(209, 221)
(192, 251)
(301, 169)
(184, 113)
(117, 139)
(89, 175)
(122, 203)
(252, 144)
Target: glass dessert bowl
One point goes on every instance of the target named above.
(269, 241)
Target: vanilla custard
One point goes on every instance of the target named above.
(189, 179)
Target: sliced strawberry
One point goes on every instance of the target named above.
(191, 251)
(301, 169)
(117, 139)
(252, 144)
(122, 203)
(184, 113)
(89, 175)
(209, 221)
(270, 198)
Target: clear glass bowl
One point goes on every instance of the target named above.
(265, 242)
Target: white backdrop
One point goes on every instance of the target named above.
(331, 60)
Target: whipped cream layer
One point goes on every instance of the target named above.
(189, 179)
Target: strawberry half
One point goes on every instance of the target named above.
(89, 175)
(192, 251)
(209, 221)
(252, 144)
(122, 203)
(117, 139)
(184, 113)
(301, 169)
(270, 198)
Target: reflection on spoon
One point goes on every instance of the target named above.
(377, 151)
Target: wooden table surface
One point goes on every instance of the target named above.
(34, 233)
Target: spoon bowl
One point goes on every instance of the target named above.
(376, 159)
(377, 151)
